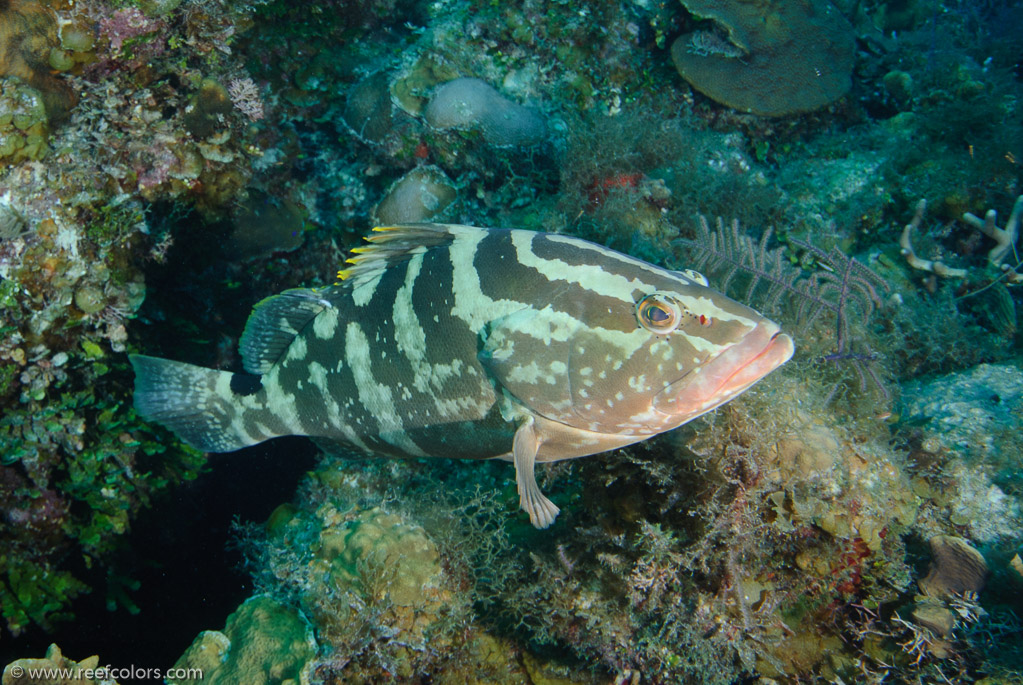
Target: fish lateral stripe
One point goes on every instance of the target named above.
(612, 261)
(622, 286)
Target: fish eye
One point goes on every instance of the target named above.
(658, 314)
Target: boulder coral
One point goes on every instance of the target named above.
(419, 195)
(472, 104)
(263, 642)
(774, 57)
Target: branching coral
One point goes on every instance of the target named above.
(937, 267)
(1005, 239)
(998, 256)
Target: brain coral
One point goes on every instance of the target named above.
(773, 57)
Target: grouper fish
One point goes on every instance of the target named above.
(474, 343)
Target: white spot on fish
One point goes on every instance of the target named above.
(318, 376)
(297, 350)
(525, 373)
(638, 383)
(325, 324)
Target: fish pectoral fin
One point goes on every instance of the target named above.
(541, 510)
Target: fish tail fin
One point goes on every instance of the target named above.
(196, 403)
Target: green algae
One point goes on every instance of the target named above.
(24, 123)
(105, 466)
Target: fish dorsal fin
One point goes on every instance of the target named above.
(390, 245)
(274, 323)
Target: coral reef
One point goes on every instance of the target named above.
(388, 600)
(164, 164)
(74, 472)
(263, 642)
(97, 120)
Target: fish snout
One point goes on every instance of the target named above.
(727, 375)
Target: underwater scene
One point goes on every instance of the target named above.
(540, 342)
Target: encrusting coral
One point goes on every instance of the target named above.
(779, 57)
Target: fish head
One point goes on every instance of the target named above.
(677, 351)
(721, 348)
(636, 357)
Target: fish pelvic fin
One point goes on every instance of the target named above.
(526, 444)
(199, 405)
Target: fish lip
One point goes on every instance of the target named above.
(732, 372)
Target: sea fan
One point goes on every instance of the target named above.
(840, 281)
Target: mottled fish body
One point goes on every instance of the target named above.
(462, 342)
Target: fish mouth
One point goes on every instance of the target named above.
(731, 373)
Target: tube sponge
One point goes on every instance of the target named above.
(469, 104)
